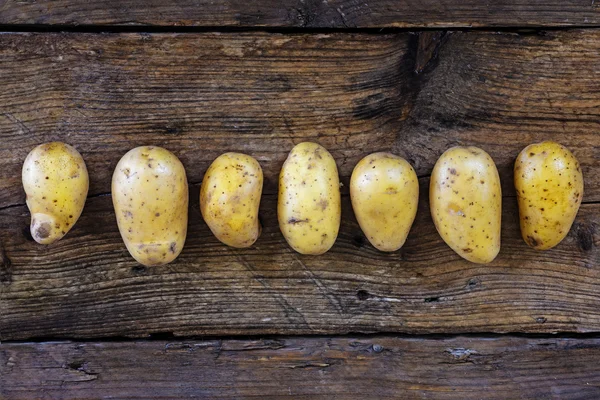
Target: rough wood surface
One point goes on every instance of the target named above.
(305, 368)
(501, 92)
(199, 95)
(203, 94)
(87, 285)
(304, 13)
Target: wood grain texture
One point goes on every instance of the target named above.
(198, 95)
(87, 285)
(305, 368)
(304, 13)
(203, 94)
(502, 92)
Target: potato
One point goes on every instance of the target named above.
(466, 203)
(549, 186)
(309, 208)
(150, 196)
(385, 194)
(230, 197)
(56, 183)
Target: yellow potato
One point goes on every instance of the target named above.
(309, 208)
(230, 197)
(466, 203)
(150, 196)
(385, 194)
(56, 183)
(549, 186)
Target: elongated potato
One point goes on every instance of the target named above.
(385, 194)
(150, 196)
(309, 208)
(230, 197)
(466, 203)
(549, 186)
(56, 183)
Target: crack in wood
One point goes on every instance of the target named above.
(329, 295)
(291, 313)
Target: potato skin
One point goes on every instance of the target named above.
(230, 198)
(384, 189)
(309, 207)
(56, 183)
(549, 185)
(150, 197)
(466, 203)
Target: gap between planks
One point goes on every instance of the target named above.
(168, 336)
(33, 28)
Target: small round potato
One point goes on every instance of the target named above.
(150, 196)
(230, 198)
(385, 194)
(56, 183)
(549, 186)
(466, 203)
(309, 208)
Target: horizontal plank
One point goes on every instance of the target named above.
(87, 285)
(203, 94)
(197, 95)
(502, 92)
(304, 13)
(305, 368)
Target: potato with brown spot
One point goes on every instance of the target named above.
(230, 198)
(56, 183)
(549, 185)
(150, 197)
(384, 189)
(309, 205)
(466, 203)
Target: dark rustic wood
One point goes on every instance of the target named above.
(304, 13)
(460, 368)
(203, 94)
(199, 95)
(501, 92)
(87, 285)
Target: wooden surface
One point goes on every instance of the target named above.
(203, 94)
(200, 85)
(62, 291)
(304, 13)
(305, 368)
(199, 95)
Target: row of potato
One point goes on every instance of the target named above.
(150, 197)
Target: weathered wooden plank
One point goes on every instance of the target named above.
(203, 94)
(87, 285)
(305, 368)
(503, 91)
(304, 13)
(199, 96)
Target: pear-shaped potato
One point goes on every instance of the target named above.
(309, 208)
(466, 203)
(385, 194)
(150, 196)
(549, 186)
(56, 183)
(230, 197)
